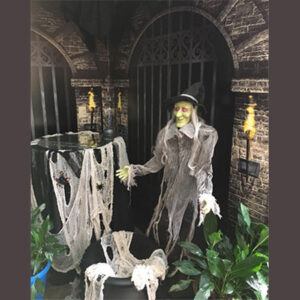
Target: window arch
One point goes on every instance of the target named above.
(175, 51)
(53, 107)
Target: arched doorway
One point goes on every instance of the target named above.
(53, 107)
(175, 51)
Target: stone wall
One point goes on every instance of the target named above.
(105, 97)
(82, 87)
(253, 193)
(244, 20)
(65, 36)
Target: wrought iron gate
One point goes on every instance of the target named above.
(53, 108)
(176, 51)
(173, 53)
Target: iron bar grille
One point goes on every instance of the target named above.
(53, 107)
(174, 52)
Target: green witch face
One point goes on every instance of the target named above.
(182, 112)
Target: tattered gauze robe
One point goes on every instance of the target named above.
(183, 185)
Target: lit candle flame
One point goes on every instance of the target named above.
(119, 101)
(92, 104)
(249, 125)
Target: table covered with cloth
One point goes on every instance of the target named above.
(74, 175)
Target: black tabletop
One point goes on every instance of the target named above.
(69, 141)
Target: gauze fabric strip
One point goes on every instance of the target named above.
(145, 272)
(121, 152)
(185, 181)
(81, 216)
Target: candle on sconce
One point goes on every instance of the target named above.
(119, 105)
(249, 129)
(92, 105)
(119, 101)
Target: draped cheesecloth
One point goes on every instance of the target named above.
(123, 264)
(91, 199)
(90, 206)
(181, 184)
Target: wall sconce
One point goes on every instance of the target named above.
(246, 166)
(119, 103)
(253, 167)
(91, 108)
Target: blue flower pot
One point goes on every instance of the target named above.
(42, 276)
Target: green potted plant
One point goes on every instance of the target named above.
(227, 269)
(44, 246)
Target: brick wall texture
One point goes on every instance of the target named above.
(253, 193)
(243, 21)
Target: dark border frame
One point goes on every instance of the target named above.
(15, 154)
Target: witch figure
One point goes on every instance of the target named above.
(184, 148)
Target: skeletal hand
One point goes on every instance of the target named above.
(123, 173)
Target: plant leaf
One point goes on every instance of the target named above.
(200, 296)
(186, 267)
(240, 239)
(217, 267)
(43, 245)
(229, 289)
(200, 261)
(191, 247)
(35, 212)
(49, 256)
(244, 221)
(211, 254)
(258, 295)
(180, 285)
(241, 254)
(227, 264)
(244, 252)
(215, 264)
(259, 230)
(52, 239)
(36, 266)
(206, 286)
(245, 213)
(50, 224)
(214, 238)
(33, 292)
(258, 227)
(265, 271)
(259, 284)
(247, 267)
(237, 296)
(35, 236)
(43, 230)
(263, 237)
(209, 226)
(258, 254)
(225, 248)
(40, 286)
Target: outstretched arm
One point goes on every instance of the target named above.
(127, 173)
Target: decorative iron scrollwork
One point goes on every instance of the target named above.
(182, 46)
